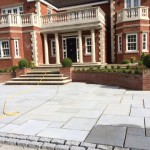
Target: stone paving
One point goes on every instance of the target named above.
(77, 112)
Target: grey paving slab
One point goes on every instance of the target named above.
(107, 135)
(80, 124)
(125, 121)
(139, 142)
(140, 112)
(8, 128)
(56, 124)
(136, 131)
(137, 103)
(32, 127)
(88, 114)
(64, 134)
(117, 109)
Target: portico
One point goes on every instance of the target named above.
(78, 48)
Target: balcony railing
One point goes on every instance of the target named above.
(71, 17)
(16, 20)
(131, 14)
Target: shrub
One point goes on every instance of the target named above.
(23, 63)
(146, 61)
(106, 67)
(113, 67)
(66, 62)
(133, 60)
(14, 68)
(125, 61)
(140, 63)
(142, 56)
(128, 67)
(31, 64)
(118, 67)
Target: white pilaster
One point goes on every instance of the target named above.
(34, 47)
(57, 48)
(80, 46)
(46, 49)
(93, 45)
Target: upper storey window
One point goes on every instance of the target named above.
(13, 10)
(132, 3)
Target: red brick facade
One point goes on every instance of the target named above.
(31, 39)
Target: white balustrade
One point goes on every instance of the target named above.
(130, 14)
(73, 16)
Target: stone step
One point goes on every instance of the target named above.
(41, 75)
(43, 72)
(38, 83)
(40, 78)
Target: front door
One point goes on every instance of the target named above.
(71, 49)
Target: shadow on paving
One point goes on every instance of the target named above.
(122, 135)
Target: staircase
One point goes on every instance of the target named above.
(40, 76)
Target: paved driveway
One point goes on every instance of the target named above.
(80, 112)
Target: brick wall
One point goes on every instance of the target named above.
(6, 77)
(128, 81)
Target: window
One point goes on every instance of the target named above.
(16, 46)
(13, 10)
(4, 49)
(88, 45)
(132, 3)
(131, 42)
(53, 48)
(144, 44)
(120, 43)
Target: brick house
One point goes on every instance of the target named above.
(87, 31)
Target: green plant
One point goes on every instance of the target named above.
(14, 68)
(118, 67)
(146, 61)
(138, 70)
(31, 64)
(133, 60)
(66, 62)
(23, 63)
(106, 67)
(125, 61)
(128, 67)
(142, 56)
(140, 63)
(113, 67)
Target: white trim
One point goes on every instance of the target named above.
(119, 36)
(131, 51)
(52, 48)
(146, 42)
(1, 49)
(86, 50)
(12, 8)
(16, 47)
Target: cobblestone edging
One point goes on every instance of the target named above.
(51, 144)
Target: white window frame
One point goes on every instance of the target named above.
(5, 10)
(131, 51)
(49, 11)
(2, 49)
(16, 48)
(53, 48)
(119, 44)
(86, 49)
(132, 3)
(145, 42)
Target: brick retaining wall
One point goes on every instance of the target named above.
(6, 77)
(129, 81)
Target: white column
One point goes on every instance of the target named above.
(80, 46)
(57, 48)
(46, 49)
(93, 45)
